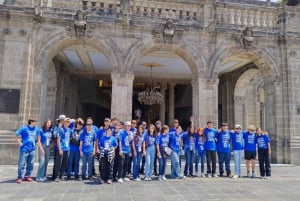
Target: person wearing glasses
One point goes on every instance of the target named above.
(238, 149)
(175, 125)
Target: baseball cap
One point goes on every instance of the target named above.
(238, 126)
(224, 124)
(61, 117)
(127, 123)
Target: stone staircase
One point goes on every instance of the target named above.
(295, 142)
(9, 150)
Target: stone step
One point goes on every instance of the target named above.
(295, 142)
(7, 137)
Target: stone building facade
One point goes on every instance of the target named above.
(243, 61)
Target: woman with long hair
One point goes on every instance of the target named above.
(163, 150)
(137, 150)
(200, 151)
(149, 148)
(189, 148)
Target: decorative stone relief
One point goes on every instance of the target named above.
(169, 34)
(6, 31)
(292, 53)
(80, 24)
(248, 39)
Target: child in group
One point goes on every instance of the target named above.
(238, 148)
(264, 151)
(107, 146)
(200, 151)
(250, 149)
(138, 150)
(87, 149)
(149, 146)
(163, 150)
(189, 149)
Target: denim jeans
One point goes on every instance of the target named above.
(25, 159)
(189, 156)
(200, 157)
(224, 157)
(87, 161)
(43, 162)
(136, 164)
(150, 155)
(162, 163)
(175, 172)
(74, 158)
(238, 157)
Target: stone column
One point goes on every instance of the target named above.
(205, 100)
(239, 111)
(121, 98)
(162, 110)
(171, 102)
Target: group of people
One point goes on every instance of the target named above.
(130, 147)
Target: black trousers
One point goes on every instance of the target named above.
(129, 165)
(123, 166)
(117, 164)
(143, 164)
(155, 163)
(60, 164)
(211, 160)
(264, 162)
(106, 168)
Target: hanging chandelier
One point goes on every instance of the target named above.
(150, 96)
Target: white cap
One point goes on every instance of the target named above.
(61, 117)
(238, 126)
(127, 123)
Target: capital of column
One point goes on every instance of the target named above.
(123, 76)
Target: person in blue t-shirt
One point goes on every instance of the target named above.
(264, 151)
(118, 159)
(125, 138)
(26, 137)
(238, 149)
(106, 147)
(223, 147)
(200, 151)
(87, 149)
(210, 148)
(149, 141)
(45, 144)
(138, 150)
(174, 126)
(175, 145)
(142, 168)
(133, 129)
(250, 149)
(74, 156)
(188, 139)
(163, 151)
(64, 134)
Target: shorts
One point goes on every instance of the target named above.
(250, 155)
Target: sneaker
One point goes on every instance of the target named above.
(45, 178)
(137, 179)
(203, 175)
(209, 175)
(164, 178)
(214, 175)
(91, 178)
(40, 179)
(149, 179)
(69, 178)
(101, 181)
(248, 174)
(29, 179)
(120, 180)
(83, 178)
(235, 176)
(126, 179)
(57, 180)
(146, 179)
(19, 181)
(109, 181)
(253, 175)
(160, 178)
(268, 177)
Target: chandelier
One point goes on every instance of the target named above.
(150, 96)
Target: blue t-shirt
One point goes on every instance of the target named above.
(100, 133)
(138, 143)
(133, 130)
(262, 141)
(163, 140)
(149, 140)
(28, 137)
(189, 141)
(46, 137)
(200, 144)
(125, 141)
(88, 139)
(64, 137)
(116, 134)
(223, 144)
(210, 136)
(237, 140)
(175, 141)
(250, 141)
(107, 143)
(74, 141)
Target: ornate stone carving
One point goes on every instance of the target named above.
(292, 53)
(169, 34)
(80, 24)
(248, 38)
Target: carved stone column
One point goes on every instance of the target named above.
(171, 102)
(162, 111)
(121, 99)
(205, 100)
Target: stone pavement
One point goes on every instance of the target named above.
(284, 185)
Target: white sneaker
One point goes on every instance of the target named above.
(160, 178)
(203, 175)
(235, 176)
(126, 179)
(214, 175)
(137, 179)
(45, 178)
(120, 180)
(253, 175)
(149, 179)
(248, 174)
(164, 178)
(209, 175)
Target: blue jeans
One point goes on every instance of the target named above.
(175, 172)
(238, 157)
(224, 157)
(150, 155)
(87, 160)
(189, 155)
(43, 162)
(200, 157)
(162, 163)
(74, 158)
(25, 158)
(136, 164)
